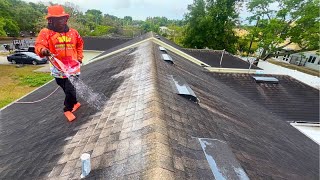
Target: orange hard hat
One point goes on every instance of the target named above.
(56, 11)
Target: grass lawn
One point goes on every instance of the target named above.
(16, 82)
(295, 67)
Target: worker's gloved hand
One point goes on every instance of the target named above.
(45, 52)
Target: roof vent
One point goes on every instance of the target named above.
(183, 89)
(260, 79)
(167, 58)
(162, 49)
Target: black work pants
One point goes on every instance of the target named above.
(70, 92)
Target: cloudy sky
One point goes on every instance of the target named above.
(137, 9)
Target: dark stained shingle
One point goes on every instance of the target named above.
(265, 145)
(290, 99)
(102, 43)
(213, 58)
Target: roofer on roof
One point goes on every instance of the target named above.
(67, 46)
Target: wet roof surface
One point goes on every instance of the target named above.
(146, 130)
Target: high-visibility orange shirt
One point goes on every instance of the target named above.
(65, 46)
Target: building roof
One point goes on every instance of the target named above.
(147, 131)
(213, 58)
(291, 99)
(102, 43)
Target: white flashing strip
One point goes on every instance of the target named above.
(25, 95)
(312, 131)
(233, 70)
(305, 124)
(221, 160)
(119, 50)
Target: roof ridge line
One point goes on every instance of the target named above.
(158, 123)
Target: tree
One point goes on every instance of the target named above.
(195, 32)
(210, 23)
(101, 30)
(5, 9)
(94, 16)
(176, 34)
(11, 28)
(2, 24)
(127, 20)
(295, 21)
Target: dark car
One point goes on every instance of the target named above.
(26, 58)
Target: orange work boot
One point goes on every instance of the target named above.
(69, 115)
(76, 106)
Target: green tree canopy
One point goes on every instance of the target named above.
(295, 21)
(210, 23)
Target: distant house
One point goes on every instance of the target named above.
(310, 59)
(165, 30)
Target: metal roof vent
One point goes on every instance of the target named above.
(183, 89)
(167, 58)
(162, 49)
(270, 80)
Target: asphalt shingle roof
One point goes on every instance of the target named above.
(102, 44)
(265, 145)
(146, 131)
(212, 57)
(291, 99)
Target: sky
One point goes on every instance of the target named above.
(137, 9)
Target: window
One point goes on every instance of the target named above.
(312, 59)
(286, 57)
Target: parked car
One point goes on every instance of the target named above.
(26, 58)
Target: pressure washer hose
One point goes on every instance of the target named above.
(32, 102)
